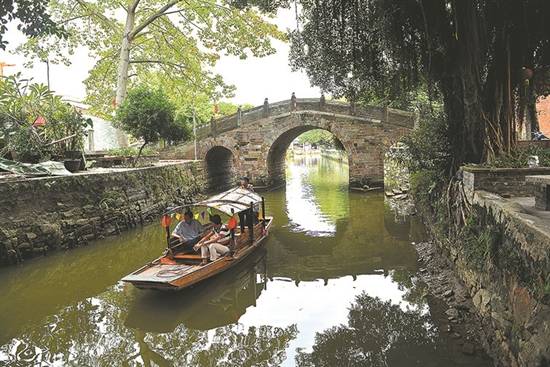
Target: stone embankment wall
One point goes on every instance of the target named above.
(43, 214)
(502, 253)
(503, 181)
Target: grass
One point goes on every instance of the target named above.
(519, 157)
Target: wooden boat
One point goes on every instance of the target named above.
(178, 270)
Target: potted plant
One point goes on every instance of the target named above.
(66, 131)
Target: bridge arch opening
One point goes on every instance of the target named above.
(276, 158)
(220, 171)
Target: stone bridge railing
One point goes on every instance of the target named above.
(376, 114)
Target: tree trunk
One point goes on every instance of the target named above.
(123, 65)
(461, 88)
(139, 153)
(531, 113)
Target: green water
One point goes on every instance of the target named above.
(335, 285)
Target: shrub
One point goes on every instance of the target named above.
(21, 103)
(149, 115)
(518, 158)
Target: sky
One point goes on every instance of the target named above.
(255, 78)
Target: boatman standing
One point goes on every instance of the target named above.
(189, 231)
(243, 215)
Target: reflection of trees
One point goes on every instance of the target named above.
(94, 332)
(329, 185)
(263, 346)
(67, 277)
(415, 290)
(378, 334)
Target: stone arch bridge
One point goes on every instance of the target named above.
(254, 142)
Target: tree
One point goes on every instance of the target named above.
(321, 138)
(172, 43)
(473, 52)
(149, 115)
(32, 17)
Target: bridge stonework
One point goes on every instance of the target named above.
(254, 142)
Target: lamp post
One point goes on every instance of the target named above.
(195, 131)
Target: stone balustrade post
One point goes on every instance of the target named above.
(266, 108)
(239, 116)
(212, 126)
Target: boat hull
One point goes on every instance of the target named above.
(174, 277)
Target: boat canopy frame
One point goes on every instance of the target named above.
(229, 202)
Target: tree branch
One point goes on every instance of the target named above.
(163, 62)
(132, 8)
(161, 12)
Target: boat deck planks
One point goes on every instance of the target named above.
(160, 273)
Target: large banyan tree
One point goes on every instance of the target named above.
(486, 59)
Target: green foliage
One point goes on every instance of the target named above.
(173, 45)
(228, 108)
(427, 157)
(319, 137)
(477, 242)
(21, 103)
(148, 114)
(32, 17)
(518, 158)
(386, 51)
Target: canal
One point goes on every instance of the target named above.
(334, 285)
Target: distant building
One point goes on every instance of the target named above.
(102, 136)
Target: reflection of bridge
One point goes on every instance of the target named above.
(377, 248)
(254, 142)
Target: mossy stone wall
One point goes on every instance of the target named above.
(43, 214)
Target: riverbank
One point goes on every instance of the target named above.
(449, 295)
(500, 249)
(50, 213)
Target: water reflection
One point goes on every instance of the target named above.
(219, 302)
(316, 195)
(378, 333)
(290, 304)
(195, 328)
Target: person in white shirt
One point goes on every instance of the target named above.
(188, 231)
(214, 244)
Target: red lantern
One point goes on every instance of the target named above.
(165, 221)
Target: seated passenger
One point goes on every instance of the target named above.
(214, 243)
(189, 231)
(244, 183)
